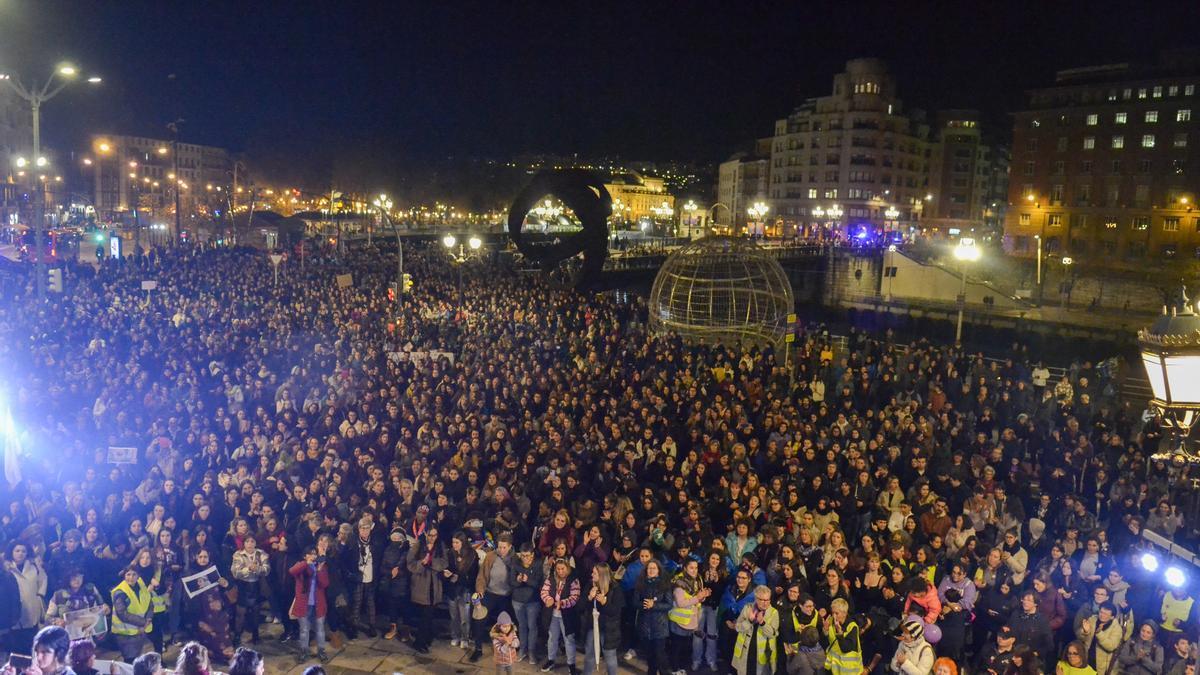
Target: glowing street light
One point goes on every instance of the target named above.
(449, 241)
(966, 252)
(104, 147)
(474, 242)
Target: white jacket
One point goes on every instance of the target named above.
(918, 658)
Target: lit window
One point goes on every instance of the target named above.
(1025, 219)
(1180, 141)
(1183, 115)
(1093, 120)
(1056, 194)
(1147, 140)
(1142, 92)
(1035, 123)
(1151, 116)
(1188, 90)
(1055, 220)
(1171, 224)
(1141, 223)
(1089, 142)
(831, 193)
(1127, 94)
(1110, 223)
(1118, 142)
(1157, 92)
(812, 193)
(1173, 90)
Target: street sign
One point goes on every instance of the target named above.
(276, 258)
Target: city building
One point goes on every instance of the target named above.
(968, 179)
(16, 138)
(129, 171)
(1104, 166)
(742, 181)
(853, 162)
(857, 163)
(639, 198)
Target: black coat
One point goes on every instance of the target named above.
(610, 618)
(351, 558)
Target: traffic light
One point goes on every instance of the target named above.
(408, 284)
(55, 277)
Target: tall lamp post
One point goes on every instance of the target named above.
(461, 257)
(1171, 354)
(758, 211)
(35, 96)
(966, 252)
(384, 204)
(835, 214)
(690, 209)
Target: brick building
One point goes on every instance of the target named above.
(1104, 166)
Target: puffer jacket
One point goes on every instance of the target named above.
(918, 658)
(652, 624)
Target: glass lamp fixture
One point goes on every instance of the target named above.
(1171, 355)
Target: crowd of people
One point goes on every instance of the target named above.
(501, 462)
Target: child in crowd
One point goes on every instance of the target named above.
(504, 644)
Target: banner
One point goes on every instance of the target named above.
(201, 581)
(86, 623)
(122, 455)
(345, 281)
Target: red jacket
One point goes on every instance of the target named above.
(303, 576)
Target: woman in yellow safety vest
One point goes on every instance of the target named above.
(687, 593)
(133, 613)
(757, 630)
(843, 655)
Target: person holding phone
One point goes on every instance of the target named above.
(50, 646)
(309, 606)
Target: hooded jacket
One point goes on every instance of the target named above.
(919, 657)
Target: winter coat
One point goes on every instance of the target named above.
(919, 658)
(303, 574)
(1051, 605)
(1138, 657)
(394, 557)
(1034, 631)
(652, 624)
(425, 584)
(1107, 639)
(807, 661)
(610, 619)
(531, 588)
(567, 593)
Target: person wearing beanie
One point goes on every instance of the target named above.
(505, 644)
(914, 656)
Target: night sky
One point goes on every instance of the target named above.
(344, 86)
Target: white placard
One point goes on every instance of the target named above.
(149, 285)
(122, 455)
(201, 581)
(85, 623)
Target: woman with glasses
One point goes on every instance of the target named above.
(1074, 661)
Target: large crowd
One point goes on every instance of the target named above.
(501, 462)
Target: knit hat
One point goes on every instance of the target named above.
(914, 629)
(1036, 527)
(504, 619)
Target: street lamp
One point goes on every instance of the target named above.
(965, 252)
(462, 256)
(1067, 261)
(384, 204)
(1171, 354)
(36, 96)
(759, 211)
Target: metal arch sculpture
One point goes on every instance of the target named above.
(584, 193)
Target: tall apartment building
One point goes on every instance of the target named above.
(968, 178)
(1104, 165)
(742, 180)
(135, 170)
(856, 152)
(16, 138)
(856, 161)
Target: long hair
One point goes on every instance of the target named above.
(193, 660)
(603, 578)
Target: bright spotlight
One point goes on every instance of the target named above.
(449, 241)
(1174, 577)
(1149, 562)
(475, 242)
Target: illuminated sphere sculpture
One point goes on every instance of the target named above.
(722, 288)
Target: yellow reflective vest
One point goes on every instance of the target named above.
(139, 604)
(764, 644)
(844, 663)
